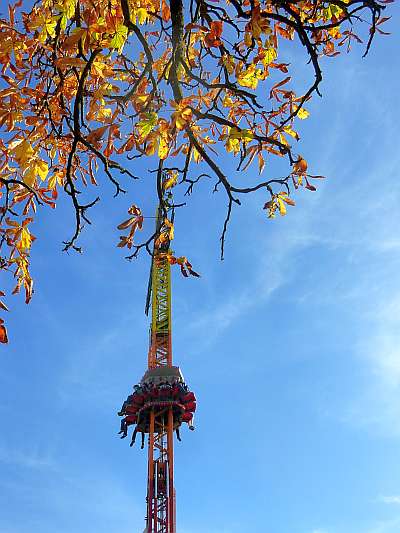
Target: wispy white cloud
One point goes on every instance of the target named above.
(217, 319)
(73, 500)
(390, 499)
(378, 404)
(28, 458)
(386, 526)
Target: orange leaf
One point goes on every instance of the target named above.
(96, 135)
(310, 187)
(165, 11)
(127, 223)
(212, 39)
(3, 335)
(69, 62)
(300, 166)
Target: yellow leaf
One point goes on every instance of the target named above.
(142, 15)
(25, 240)
(284, 196)
(250, 77)
(269, 56)
(181, 117)
(151, 144)
(37, 168)
(147, 124)
(46, 25)
(247, 39)
(302, 113)
(163, 148)
(292, 133)
(68, 7)
(244, 135)
(232, 144)
(23, 152)
(42, 169)
(227, 101)
(52, 182)
(196, 155)
(104, 113)
(171, 181)
(170, 229)
(281, 206)
(120, 36)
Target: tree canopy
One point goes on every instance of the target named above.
(90, 86)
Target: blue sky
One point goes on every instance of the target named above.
(291, 344)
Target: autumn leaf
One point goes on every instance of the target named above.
(310, 187)
(164, 137)
(142, 15)
(171, 181)
(268, 56)
(212, 38)
(134, 223)
(258, 24)
(96, 135)
(291, 132)
(3, 334)
(235, 137)
(181, 116)
(63, 62)
(250, 77)
(163, 148)
(146, 125)
(36, 169)
(281, 206)
(165, 11)
(119, 38)
(127, 223)
(46, 24)
(41, 168)
(72, 40)
(301, 113)
(278, 202)
(300, 166)
(184, 264)
(23, 152)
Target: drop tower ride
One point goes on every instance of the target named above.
(161, 402)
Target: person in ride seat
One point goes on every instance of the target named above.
(134, 438)
(184, 388)
(129, 400)
(187, 417)
(175, 391)
(189, 397)
(190, 406)
(136, 398)
(132, 408)
(125, 423)
(154, 393)
(165, 391)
